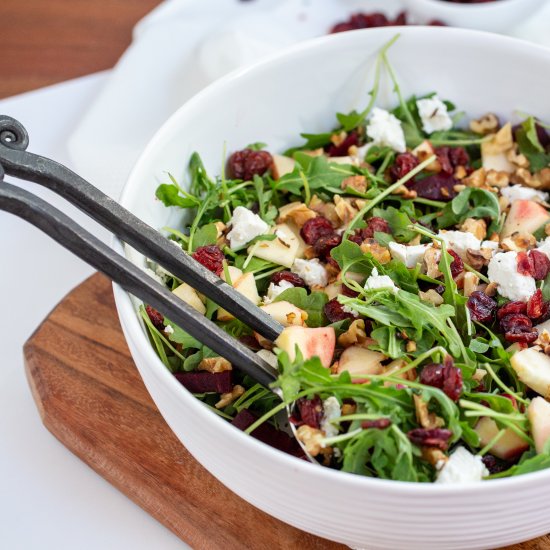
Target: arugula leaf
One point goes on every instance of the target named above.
(313, 304)
(530, 146)
(256, 146)
(529, 463)
(472, 202)
(180, 336)
(398, 221)
(205, 235)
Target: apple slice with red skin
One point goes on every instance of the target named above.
(524, 217)
(539, 417)
(357, 360)
(509, 446)
(311, 342)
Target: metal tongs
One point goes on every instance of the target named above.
(16, 161)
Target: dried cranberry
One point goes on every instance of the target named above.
(156, 317)
(334, 311)
(289, 277)
(536, 306)
(311, 411)
(315, 228)
(511, 307)
(326, 243)
(362, 21)
(438, 187)
(445, 377)
(482, 307)
(210, 257)
(541, 264)
(436, 437)
(525, 264)
(374, 225)
(521, 335)
(512, 398)
(378, 424)
(459, 157)
(342, 150)
(357, 236)
(401, 18)
(515, 320)
(246, 164)
(494, 465)
(347, 291)
(457, 265)
(443, 156)
(404, 163)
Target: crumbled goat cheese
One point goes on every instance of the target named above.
(275, 289)
(462, 467)
(385, 130)
(168, 329)
(491, 245)
(434, 116)
(331, 408)
(409, 255)
(311, 271)
(349, 309)
(522, 193)
(503, 270)
(376, 281)
(544, 246)
(245, 226)
(460, 241)
(268, 356)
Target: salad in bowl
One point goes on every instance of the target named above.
(407, 254)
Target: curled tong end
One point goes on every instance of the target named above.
(13, 134)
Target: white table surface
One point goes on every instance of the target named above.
(48, 497)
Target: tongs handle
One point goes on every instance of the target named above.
(93, 251)
(19, 163)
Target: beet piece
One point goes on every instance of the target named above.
(438, 187)
(268, 434)
(202, 382)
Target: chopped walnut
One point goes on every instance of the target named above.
(497, 179)
(379, 252)
(325, 209)
(298, 212)
(349, 408)
(228, 398)
(396, 365)
(424, 151)
(459, 187)
(221, 229)
(477, 258)
(215, 364)
(431, 260)
(501, 142)
(355, 335)
(344, 209)
(425, 418)
(405, 192)
(332, 272)
(411, 346)
(517, 158)
(543, 177)
(543, 339)
(311, 438)
(524, 177)
(519, 242)
(338, 138)
(434, 456)
(476, 178)
(491, 289)
(431, 296)
(478, 228)
(487, 124)
(359, 183)
(471, 280)
(460, 173)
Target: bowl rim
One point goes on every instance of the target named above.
(485, 7)
(130, 321)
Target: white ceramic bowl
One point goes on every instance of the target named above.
(301, 90)
(497, 16)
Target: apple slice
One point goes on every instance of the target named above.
(311, 342)
(539, 417)
(494, 149)
(358, 360)
(234, 274)
(281, 166)
(282, 250)
(524, 217)
(246, 285)
(333, 290)
(286, 313)
(509, 446)
(533, 369)
(190, 296)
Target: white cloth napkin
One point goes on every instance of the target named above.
(182, 46)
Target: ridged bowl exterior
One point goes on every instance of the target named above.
(297, 91)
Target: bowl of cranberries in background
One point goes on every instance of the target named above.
(486, 15)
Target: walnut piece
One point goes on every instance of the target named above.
(487, 124)
(379, 252)
(519, 242)
(497, 179)
(431, 260)
(516, 158)
(355, 335)
(478, 228)
(478, 258)
(431, 296)
(358, 183)
(311, 438)
(215, 364)
(228, 398)
(471, 280)
(325, 209)
(344, 210)
(425, 418)
(297, 212)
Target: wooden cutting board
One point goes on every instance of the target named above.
(91, 397)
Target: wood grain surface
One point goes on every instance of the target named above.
(48, 41)
(90, 396)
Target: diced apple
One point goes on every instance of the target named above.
(358, 360)
(333, 290)
(344, 160)
(234, 274)
(494, 150)
(509, 446)
(525, 217)
(281, 166)
(495, 161)
(286, 313)
(190, 296)
(311, 342)
(282, 250)
(543, 326)
(424, 151)
(533, 369)
(246, 285)
(301, 243)
(539, 417)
